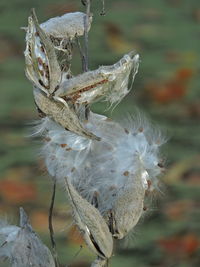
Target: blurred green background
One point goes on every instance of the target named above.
(166, 34)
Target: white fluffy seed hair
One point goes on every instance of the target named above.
(68, 25)
(8, 234)
(98, 169)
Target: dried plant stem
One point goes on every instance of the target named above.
(88, 5)
(76, 255)
(86, 57)
(51, 231)
(81, 53)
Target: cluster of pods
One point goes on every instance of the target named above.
(106, 168)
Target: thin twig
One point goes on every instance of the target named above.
(86, 43)
(81, 53)
(76, 255)
(51, 231)
(86, 34)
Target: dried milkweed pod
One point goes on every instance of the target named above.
(128, 206)
(68, 25)
(108, 82)
(61, 113)
(23, 247)
(91, 224)
(42, 67)
(43, 70)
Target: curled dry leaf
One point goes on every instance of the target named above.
(90, 223)
(17, 191)
(108, 82)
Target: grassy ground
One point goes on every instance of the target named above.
(166, 35)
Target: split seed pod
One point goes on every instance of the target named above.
(42, 67)
(61, 113)
(90, 223)
(108, 82)
(43, 70)
(128, 206)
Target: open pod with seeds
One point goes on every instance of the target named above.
(61, 93)
(43, 70)
(42, 67)
(107, 82)
(90, 223)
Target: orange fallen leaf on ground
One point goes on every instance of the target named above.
(180, 245)
(9, 48)
(115, 39)
(193, 109)
(39, 220)
(17, 191)
(178, 210)
(19, 173)
(184, 171)
(192, 177)
(196, 15)
(171, 90)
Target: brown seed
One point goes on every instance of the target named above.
(42, 49)
(40, 61)
(47, 139)
(41, 72)
(63, 145)
(96, 193)
(126, 131)
(112, 187)
(160, 165)
(157, 142)
(149, 184)
(73, 169)
(126, 173)
(108, 119)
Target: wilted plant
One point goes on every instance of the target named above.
(106, 169)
